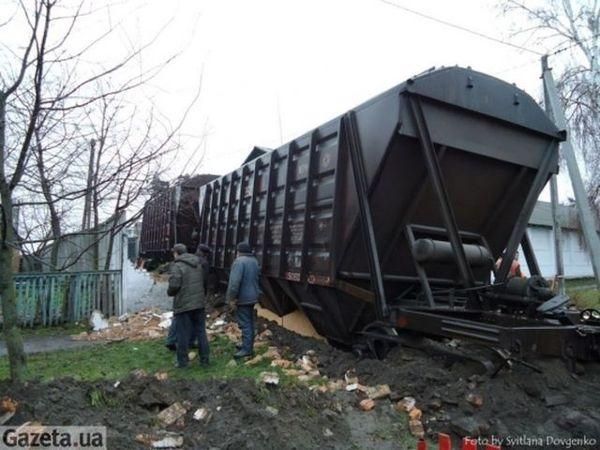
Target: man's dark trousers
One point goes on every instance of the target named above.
(172, 336)
(245, 317)
(191, 325)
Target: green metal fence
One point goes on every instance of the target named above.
(53, 298)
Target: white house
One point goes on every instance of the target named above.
(576, 258)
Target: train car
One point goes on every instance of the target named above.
(390, 218)
(171, 216)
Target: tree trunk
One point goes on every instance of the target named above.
(54, 217)
(96, 204)
(14, 342)
(12, 335)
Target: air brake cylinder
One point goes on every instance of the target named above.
(533, 287)
(432, 251)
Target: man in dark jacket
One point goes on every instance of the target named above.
(244, 291)
(203, 253)
(186, 284)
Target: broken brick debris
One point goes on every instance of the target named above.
(171, 414)
(367, 404)
(269, 378)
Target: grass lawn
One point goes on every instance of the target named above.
(64, 329)
(583, 292)
(115, 360)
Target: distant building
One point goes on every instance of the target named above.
(84, 250)
(132, 240)
(576, 257)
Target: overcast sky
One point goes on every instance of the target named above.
(308, 61)
(273, 69)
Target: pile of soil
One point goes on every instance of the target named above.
(518, 407)
(242, 413)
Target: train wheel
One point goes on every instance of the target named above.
(379, 347)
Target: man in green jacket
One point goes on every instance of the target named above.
(186, 284)
(203, 253)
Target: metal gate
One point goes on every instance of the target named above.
(52, 298)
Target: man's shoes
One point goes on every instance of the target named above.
(181, 366)
(204, 362)
(171, 347)
(241, 355)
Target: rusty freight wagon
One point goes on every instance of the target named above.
(171, 216)
(391, 216)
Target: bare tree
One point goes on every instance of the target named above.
(125, 162)
(43, 93)
(11, 173)
(572, 29)
(127, 144)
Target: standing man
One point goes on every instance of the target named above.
(203, 253)
(243, 292)
(186, 284)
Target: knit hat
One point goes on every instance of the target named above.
(244, 247)
(180, 249)
(203, 248)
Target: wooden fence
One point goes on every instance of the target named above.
(58, 297)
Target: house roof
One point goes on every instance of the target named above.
(567, 216)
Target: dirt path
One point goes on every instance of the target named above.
(41, 344)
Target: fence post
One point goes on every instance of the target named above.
(52, 298)
(444, 442)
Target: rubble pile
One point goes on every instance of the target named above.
(409, 391)
(8, 407)
(154, 324)
(217, 324)
(306, 370)
(143, 325)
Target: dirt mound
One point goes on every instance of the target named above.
(519, 406)
(239, 413)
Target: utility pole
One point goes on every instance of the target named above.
(556, 231)
(87, 206)
(586, 218)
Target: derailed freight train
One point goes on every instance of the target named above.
(391, 216)
(171, 216)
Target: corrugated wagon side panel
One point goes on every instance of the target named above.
(156, 225)
(282, 204)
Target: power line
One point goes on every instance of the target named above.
(519, 66)
(462, 28)
(573, 44)
(555, 52)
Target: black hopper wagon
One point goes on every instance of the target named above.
(386, 222)
(171, 216)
